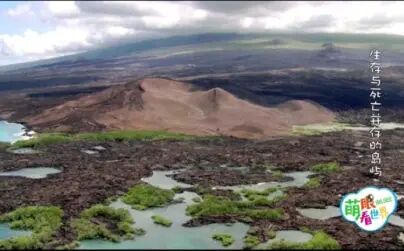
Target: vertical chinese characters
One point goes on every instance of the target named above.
(375, 118)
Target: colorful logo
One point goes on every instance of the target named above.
(370, 208)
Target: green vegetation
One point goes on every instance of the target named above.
(157, 219)
(139, 231)
(93, 222)
(42, 221)
(277, 174)
(4, 144)
(45, 139)
(111, 199)
(271, 234)
(225, 239)
(217, 206)
(131, 135)
(196, 199)
(262, 201)
(213, 205)
(178, 200)
(253, 194)
(320, 241)
(251, 241)
(146, 196)
(69, 246)
(329, 167)
(306, 230)
(207, 190)
(177, 189)
(268, 214)
(201, 190)
(42, 140)
(317, 129)
(312, 183)
(269, 167)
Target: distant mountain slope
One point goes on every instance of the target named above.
(333, 67)
(268, 39)
(162, 104)
(129, 48)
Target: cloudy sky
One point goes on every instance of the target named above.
(38, 30)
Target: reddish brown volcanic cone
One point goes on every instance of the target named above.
(161, 104)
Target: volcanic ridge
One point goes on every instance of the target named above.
(163, 104)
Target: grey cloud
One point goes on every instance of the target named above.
(321, 21)
(221, 16)
(99, 23)
(244, 7)
(378, 21)
(227, 14)
(316, 3)
(4, 49)
(111, 8)
(76, 47)
(224, 7)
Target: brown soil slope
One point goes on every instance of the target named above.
(161, 104)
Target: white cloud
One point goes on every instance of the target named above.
(34, 43)
(118, 31)
(83, 25)
(247, 22)
(62, 9)
(20, 10)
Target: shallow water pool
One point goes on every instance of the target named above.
(294, 236)
(320, 214)
(176, 236)
(299, 179)
(32, 173)
(11, 132)
(6, 232)
(24, 151)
